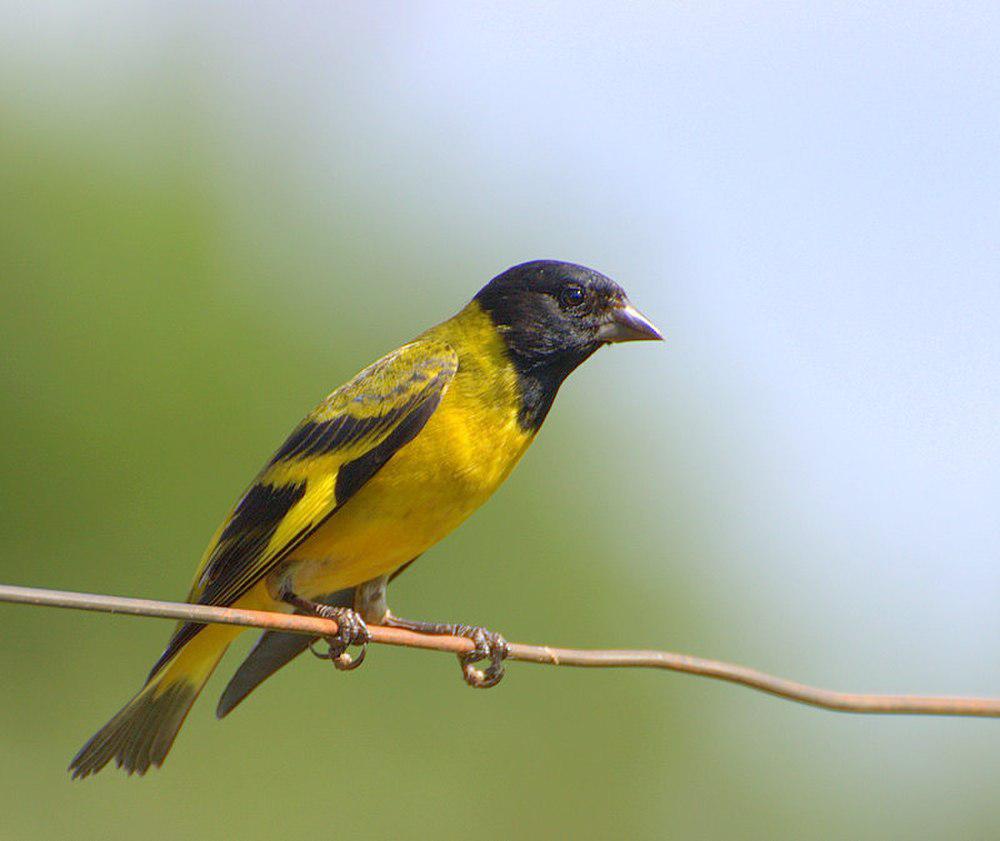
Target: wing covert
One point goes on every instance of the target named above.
(340, 445)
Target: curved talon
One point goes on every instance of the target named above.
(489, 645)
(346, 663)
(351, 630)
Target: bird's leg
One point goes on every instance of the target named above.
(351, 630)
(489, 645)
(369, 600)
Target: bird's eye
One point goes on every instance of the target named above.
(572, 295)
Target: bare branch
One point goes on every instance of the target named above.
(313, 626)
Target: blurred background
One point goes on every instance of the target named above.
(210, 217)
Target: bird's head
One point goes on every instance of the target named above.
(554, 315)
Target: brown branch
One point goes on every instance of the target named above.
(312, 626)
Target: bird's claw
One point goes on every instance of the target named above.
(489, 645)
(351, 630)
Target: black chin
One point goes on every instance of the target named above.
(540, 379)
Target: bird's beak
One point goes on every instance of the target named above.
(627, 324)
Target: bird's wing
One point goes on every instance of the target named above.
(343, 443)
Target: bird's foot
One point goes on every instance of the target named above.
(489, 645)
(351, 630)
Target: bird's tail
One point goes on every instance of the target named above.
(142, 732)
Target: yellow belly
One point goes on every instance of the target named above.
(464, 453)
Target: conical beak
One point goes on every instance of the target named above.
(627, 324)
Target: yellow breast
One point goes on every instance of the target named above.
(464, 453)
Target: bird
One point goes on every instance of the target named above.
(381, 470)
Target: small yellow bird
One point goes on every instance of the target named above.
(379, 472)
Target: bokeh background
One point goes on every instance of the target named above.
(212, 214)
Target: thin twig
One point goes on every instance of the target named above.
(313, 626)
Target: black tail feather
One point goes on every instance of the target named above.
(140, 734)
